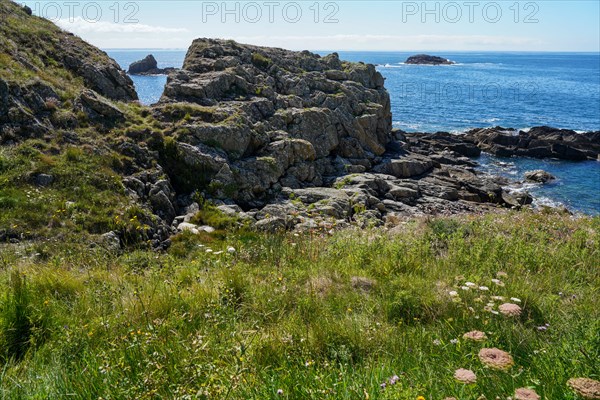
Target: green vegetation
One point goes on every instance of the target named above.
(315, 316)
(261, 61)
(84, 197)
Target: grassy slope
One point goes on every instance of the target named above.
(279, 314)
(282, 313)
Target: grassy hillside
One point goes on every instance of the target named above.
(235, 314)
(310, 316)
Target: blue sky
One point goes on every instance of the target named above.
(549, 25)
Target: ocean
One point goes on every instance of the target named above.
(516, 90)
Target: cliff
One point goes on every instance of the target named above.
(278, 118)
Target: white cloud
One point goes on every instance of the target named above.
(80, 26)
(395, 42)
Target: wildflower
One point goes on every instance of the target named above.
(382, 386)
(453, 341)
(465, 376)
(496, 358)
(497, 298)
(526, 394)
(470, 284)
(453, 293)
(280, 392)
(420, 398)
(497, 282)
(437, 342)
(394, 379)
(476, 336)
(510, 309)
(484, 288)
(464, 287)
(231, 250)
(501, 274)
(585, 387)
(515, 299)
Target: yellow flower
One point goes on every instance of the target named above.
(420, 398)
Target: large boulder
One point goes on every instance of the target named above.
(539, 175)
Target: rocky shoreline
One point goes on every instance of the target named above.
(280, 139)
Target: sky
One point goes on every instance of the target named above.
(547, 25)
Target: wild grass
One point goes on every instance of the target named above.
(307, 316)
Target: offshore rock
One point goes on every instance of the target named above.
(425, 59)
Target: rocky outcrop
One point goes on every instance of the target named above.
(425, 59)
(280, 118)
(63, 66)
(148, 66)
(538, 142)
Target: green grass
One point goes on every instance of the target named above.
(316, 315)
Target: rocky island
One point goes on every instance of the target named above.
(425, 59)
(148, 66)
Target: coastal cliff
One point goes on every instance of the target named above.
(274, 138)
(276, 118)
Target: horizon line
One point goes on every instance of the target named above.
(370, 51)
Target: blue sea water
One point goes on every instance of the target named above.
(482, 89)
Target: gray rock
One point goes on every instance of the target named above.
(144, 65)
(111, 241)
(271, 225)
(43, 180)
(99, 106)
(162, 206)
(406, 167)
(539, 175)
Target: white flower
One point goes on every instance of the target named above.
(484, 288)
(209, 250)
(470, 284)
(464, 287)
(516, 300)
(218, 252)
(495, 312)
(498, 298)
(453, 293)
(231, 250)
(453, 341)
(437, 342)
